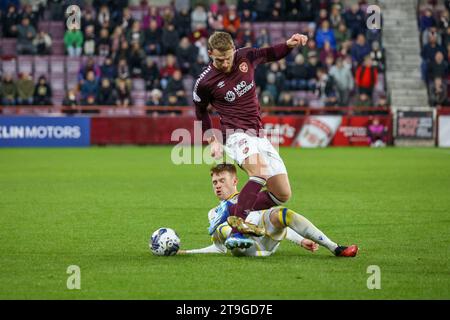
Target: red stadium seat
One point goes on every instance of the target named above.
(57, 64)
(41, 65)
(25, 64)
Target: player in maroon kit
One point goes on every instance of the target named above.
(228, 85)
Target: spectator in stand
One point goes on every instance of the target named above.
(198, 33)
(262, 8)
(155, 98)
(363, 100)
(123, 73)
(186, 55)
(152, 42)
(43, 43)
(136, 59)
(89, 87)
(278, 11)
(286, 99)
(343, 80)
(167, 71)
(377, 56)
(106, 95)
(438, 93)
(231, 21)
(354, 19)
(10, 22)
(202, 47)
(103, 15)
(246, 10)
(25, 36)
(323, 16)
(108, 69)
(152, 15)
(429, 53)
(335, 17)
(123, 99)
(168, 15)
(198, 66)
(324, 34)
(182, 22)
(263, 39)
(175, 84)
(170, 39)
(8, 90)
(313, 65)
(215, 20)
(123, 52)
(326, 51)
(366, 77)
(135, 34)
(308, 10)
(199, 16)
(33, 17)
(104, 43)
(150, 73)
(342, 35)
(299, 75)
(377, 133)
(90, 41)
(125, 20)
(42, 93)
(73, 41)
(25, 89)
(360, 50)
(438, 68)
(245, 36)
(271, 88)
(70, 99)
(310, 49)
(427, 20)
(90, 65)
(432, 31)
(87, 20)
(325, 89)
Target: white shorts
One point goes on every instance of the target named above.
(240, 146)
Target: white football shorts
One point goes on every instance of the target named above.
(240, 146)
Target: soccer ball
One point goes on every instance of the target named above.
(164, 242)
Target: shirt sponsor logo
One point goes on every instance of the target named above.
(230, 96)
(243, 67)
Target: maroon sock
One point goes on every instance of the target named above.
(247, 197)
(264, 201)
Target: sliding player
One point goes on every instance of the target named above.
(278, 223)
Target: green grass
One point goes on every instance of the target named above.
(97, 207)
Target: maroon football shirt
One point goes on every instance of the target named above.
(233, 94)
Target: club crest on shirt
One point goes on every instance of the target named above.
(243, 67)
(230, 96)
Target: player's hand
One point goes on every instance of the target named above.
(309, 245)
(297, 40)
(216, 148)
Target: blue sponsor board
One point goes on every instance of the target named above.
(45, 131)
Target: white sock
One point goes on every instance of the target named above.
(305, 228)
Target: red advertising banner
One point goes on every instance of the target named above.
(298, 131)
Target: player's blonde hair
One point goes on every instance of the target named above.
(220, 41)
(223, 167)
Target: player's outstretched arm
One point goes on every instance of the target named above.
(297, 40)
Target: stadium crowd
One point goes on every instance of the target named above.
(434, 24)
(124, 53)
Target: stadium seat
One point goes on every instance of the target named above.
(57, 64)
(41, 65)
(138, 84)
(25, 64)
(57, 30)
(58, 47)
(73, 65)
(57, 82)
(138, 97)
(9, 47)
(9, 66)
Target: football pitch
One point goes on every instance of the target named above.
(96, 208)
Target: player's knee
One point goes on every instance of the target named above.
(284, 195)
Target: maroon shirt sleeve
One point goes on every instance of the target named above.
(201, 100)
(269, 54)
